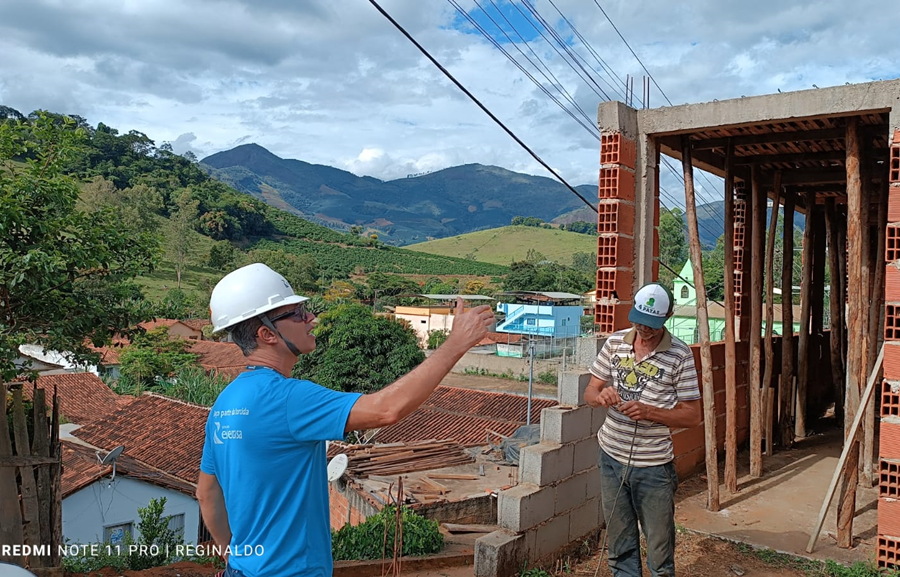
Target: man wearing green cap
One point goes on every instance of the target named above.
(648, 381)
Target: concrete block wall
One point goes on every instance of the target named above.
(615, 230)
(557, 501)
(888, 544)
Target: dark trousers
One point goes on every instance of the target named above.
(647, 495)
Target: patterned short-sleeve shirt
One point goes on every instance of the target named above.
(666, 377)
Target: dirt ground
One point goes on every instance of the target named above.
(499, 385)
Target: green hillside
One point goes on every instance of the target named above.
(511, 243)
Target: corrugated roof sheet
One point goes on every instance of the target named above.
(161, 432)
(464, 415)
(83, 397)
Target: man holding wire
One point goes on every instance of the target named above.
(648, 381)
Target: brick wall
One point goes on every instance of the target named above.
(342, 512)
(615, 232)
(888, 548)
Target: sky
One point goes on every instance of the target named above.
(333, 82)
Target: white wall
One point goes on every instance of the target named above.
(86, 512)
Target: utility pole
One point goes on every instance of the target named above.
(530, 378)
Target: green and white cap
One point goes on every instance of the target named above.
(653, 304)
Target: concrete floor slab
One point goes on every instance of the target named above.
(779, 510)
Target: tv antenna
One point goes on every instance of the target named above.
(336, 467)
(110, 459)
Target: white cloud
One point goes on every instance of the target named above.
(334, 83)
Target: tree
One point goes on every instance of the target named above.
(581, 226)
(673, 244)
(180, 237)
(585, 262)
(221, 255)
(152, 356)
(358, 351)
(473, 287)
(301, 270)
(65, 275)
(156, 544)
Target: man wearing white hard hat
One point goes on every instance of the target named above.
(648, 381)
(263, 488)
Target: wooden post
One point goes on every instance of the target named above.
(868, 477)
(41, 448)
(56, 497)
(10, 511)
(757, 410)
(709, 398)
(817, 312)
(770, 309)
(785, 426)
(730, 352)
(847, 502)
(30, 508)
(836, 302)
(806, 284)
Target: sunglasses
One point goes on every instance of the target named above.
(299, 314)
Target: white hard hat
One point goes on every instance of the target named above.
(7, 570)
(247, 292)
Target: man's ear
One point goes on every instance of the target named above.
(266, 335)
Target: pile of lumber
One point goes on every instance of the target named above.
(399, 458)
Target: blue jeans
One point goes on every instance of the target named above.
(232, 572)
(648, 496)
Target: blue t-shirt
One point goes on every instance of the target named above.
(265, 444)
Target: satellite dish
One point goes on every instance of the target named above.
(111, 458)
(336, 467)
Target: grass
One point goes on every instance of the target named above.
(511, 243)
(813, 568)
(163, 278)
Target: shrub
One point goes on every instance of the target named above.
(367, 540)
(548, 377)
(436, 338)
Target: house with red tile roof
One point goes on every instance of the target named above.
(219, 358)
(465, 415)
(83, 397)
(100, 504)
(163, 433)
(176, 328)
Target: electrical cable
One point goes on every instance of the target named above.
(453, 79)
(604, 542)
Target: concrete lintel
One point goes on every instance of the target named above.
(615, 116)
(835, 101)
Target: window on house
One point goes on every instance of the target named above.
(684, 292)
(176, 524)
(424, 322)
(529, 321)
(116, 534)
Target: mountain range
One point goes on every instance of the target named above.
(443, 203)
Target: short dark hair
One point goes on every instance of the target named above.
(244, 335)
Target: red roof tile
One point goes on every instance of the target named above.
(504, 338)
(218, 356)
(464, 415)
(161, 432)
(83, 397)
(197, 324)
(81, 468)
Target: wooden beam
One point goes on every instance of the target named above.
(772, 138)
(792, 157)
(847, 503)
(709, 398)
(843, 464)
(757, 410)
(786, 393)
(819, 263)
(768, 380)
(806, 286)
(836, 301)
(730, 350)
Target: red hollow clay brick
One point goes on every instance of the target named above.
(889, 479)
(896, 140)
(615, 250)
(655, 268)
(891, 322)
(616, 148)
(616, 183)
(611, 318)
(889, 439)
(891, 360)
(890, 401)
(893, 204)
(892, 243)
(892, 284)
(888, 516)
(615, 217)
(887, 552)
(614, 283)
(895, 164)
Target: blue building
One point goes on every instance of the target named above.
(552, 321)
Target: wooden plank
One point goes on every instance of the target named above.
(10, 512)
(791, 158)
(806, 284)
(847, 502)
(768, 380)
(820, 262)
(730, 349)
(772, 138)
(56, 538)
(769, 408)
(30, 511)
(29, 461)
(844, 465)
(706, 379)
(757, 215)
(467, 528)
(41, 448)
(786, 404)
(835, 300)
